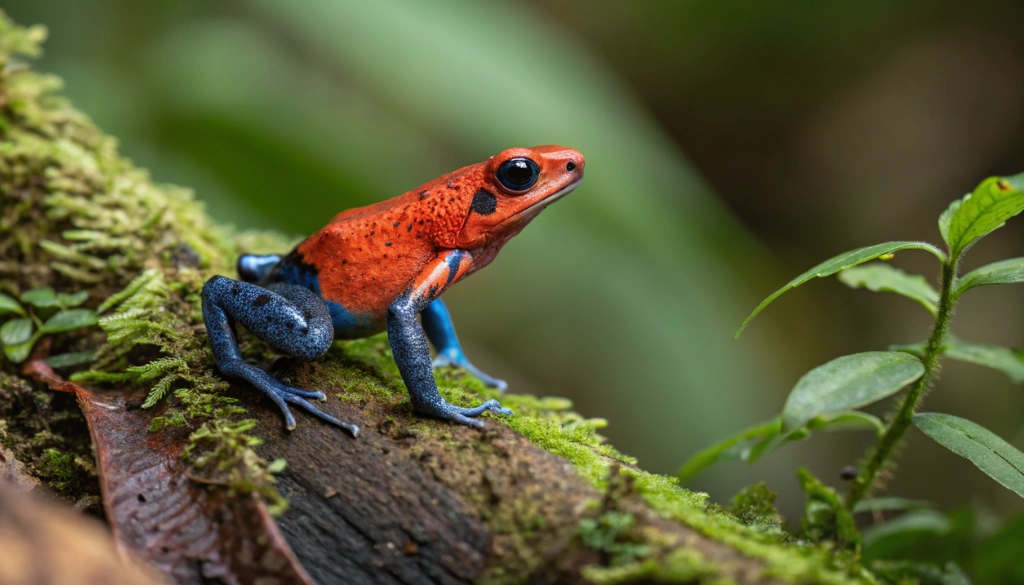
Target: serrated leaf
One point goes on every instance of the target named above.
(9, 305)
(884, 278)
(849, 382)
(66, 301)
(70, 319)
(709, 456)
(839, 263)
(1007, 361)
(15, 331)
(65, 360)
(998, 459)
(993, 202)
(1003, 272)
(40, 297)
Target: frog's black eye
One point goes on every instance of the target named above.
(518, 174)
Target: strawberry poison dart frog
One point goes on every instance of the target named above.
(376, 268)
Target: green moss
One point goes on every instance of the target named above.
(610, 534)
(826, 517)
(47, 432)
(63, 470)
(76, 213)
(222, 453)
(755, 507)
(680, 566)
(793, 561)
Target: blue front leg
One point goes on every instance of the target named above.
(437, 322)
(409, 342)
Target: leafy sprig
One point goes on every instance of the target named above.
(42, 312)
(827, 394)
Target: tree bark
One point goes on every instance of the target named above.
(535, 498)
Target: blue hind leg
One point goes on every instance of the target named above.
(437, 323)
(289, 318)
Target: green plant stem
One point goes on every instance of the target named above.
(902, 420)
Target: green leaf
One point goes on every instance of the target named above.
(1003, 272)
(40, 297)
(882, 277)
(9, 305)
(999, 555)
(18, 353)
(919, 573)
(907, 525)
(890, 504)
(1007, 361)
(66, 301)
(277, 465)
(849, 382)
(998, 459)
(709, 456)
(993, 202)
(70, 319)
(842, 262)
(946, 218)
(65, 360)
(15, 331)
(848, 420)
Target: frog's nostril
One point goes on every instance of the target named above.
(570, 166)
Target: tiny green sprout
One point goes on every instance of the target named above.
(833, 390)
(41, 312)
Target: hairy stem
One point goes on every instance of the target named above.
(901, 421)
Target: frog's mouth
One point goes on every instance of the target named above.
(539, 206)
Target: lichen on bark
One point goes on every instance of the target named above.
(536, 497)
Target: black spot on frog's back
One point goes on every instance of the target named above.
(261, 300)
(484, 202)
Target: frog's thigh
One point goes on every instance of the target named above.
(292, 319)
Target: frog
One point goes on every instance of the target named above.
(384, 267)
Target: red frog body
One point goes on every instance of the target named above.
(375, 268)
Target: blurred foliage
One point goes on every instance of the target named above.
(812, 120)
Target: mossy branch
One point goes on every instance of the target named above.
(538, 496)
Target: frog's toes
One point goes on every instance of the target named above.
(489, 406)
(302, 393)
(463, 415)
(282, 395)
(299, 401)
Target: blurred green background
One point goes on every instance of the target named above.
(729, 147)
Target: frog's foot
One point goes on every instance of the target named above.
(454, 357)
(282, 395)
(448, 411)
